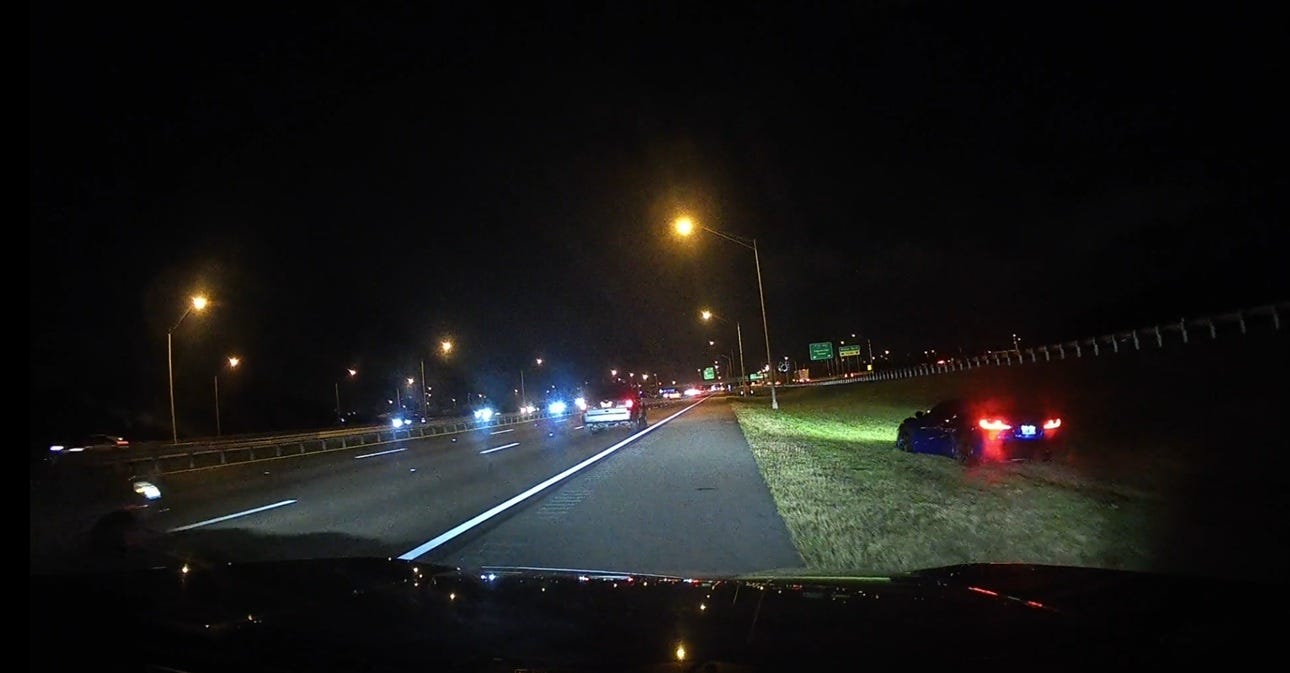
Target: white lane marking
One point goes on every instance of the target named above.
(578, 427)
(466, 525)
(501, 431)
(232, 516)
(499, 448)
(379, 453)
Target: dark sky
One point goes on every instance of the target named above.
(350, 185)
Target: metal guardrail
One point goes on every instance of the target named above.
(250, 438)
(171, 458)
(1186, 330)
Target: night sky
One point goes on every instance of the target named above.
(349, 186)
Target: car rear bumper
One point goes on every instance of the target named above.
(608, 417)
(1025, 448)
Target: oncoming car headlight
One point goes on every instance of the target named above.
(147, 489)
(397, 423)
(581, 403)
(485, 414)
(556, 408)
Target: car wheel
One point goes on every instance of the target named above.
(903, 440)
(965, 451)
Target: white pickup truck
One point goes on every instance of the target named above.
(612, 405)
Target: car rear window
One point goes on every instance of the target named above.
(613, 392)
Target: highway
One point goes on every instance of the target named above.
(684, 495)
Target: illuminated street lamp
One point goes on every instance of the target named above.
(524, 398)
(197, 303)
(352, 373)
(739, 336)
(233, 362)
(445, 346)
(684, 226)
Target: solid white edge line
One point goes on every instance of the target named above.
(412, 554)
(231, 516)
(499, 448)
(379, 453)
(498, 432)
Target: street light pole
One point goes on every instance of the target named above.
(765, 326)
(739, 337)
(170, 382)
(196, 303)
(685, 226)
(217, 428)
(743, 373)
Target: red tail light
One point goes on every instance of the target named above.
(993, 424)
(627, 403)
(1052, 424)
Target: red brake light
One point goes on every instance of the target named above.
(1052, 424)
(627, 403)
(993, 424)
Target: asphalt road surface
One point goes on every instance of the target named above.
(682, 497)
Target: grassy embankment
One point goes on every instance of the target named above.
(1175, 460)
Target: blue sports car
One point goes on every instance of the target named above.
(971, 431)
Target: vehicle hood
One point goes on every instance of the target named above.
(380, 614)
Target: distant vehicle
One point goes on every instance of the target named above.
(669, 393)
(972, 431)
(95, 442)
(613, 405)
(483, 411)
(407, 420)
(559, 403)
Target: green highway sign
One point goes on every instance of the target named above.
(822, 350)
(852, 351)
(756, 376)
(709, 373)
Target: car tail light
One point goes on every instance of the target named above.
(1052, 424)
(993, 424)
(122, 442)
(627, 403)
